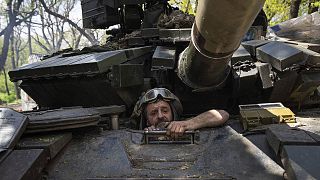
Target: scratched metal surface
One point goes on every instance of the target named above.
(220, 153)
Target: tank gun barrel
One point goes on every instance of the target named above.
(216, 33)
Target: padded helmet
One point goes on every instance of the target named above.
(151, 96)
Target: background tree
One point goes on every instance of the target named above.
(294, 8)
(13, 64)
(42, 31)
(281, 10)
(65, 18)
(52, 28)
(313, 6)
(15, 18)
(187, 6)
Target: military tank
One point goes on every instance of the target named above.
(219, 62)
(215, 67)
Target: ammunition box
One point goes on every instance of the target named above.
(254, 115)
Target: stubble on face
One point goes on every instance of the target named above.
(158, 112)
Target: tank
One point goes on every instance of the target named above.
(206, 62)
(219, 59)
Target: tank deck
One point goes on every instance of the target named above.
(219, 153)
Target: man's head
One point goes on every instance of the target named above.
(155, 106)
(157, 112)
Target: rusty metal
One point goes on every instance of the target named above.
(160, 137)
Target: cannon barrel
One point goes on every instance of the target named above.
(216, 33)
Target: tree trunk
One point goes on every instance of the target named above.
(29, 36)
(12, 10)
(6, 81)
(294, 8)
(92, 40)
(7, 33)
(196, 6)
(76, 46)
(5, 47)
(312, 9)
(16, 87)
(17, 44)
(187, 8)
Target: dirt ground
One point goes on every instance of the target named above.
(16, 107)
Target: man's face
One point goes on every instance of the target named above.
(158, 112)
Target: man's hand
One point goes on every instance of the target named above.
(211, 118)
(160, 126)
(150, 128)
(177, 128)
(174, 128)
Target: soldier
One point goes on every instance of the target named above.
(159, 108)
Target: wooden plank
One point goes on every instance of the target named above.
(52, 143)
(23, 164)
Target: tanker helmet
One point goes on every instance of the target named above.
(152, 96)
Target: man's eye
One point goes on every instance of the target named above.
(165, 110)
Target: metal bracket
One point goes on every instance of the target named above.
(160, 137)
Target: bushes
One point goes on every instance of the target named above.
(4, 97)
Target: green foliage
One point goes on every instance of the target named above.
(7, 99)
(2, 87)
(187, 6)
(4, 97)
(316, 4)
(303, 9)
(277, 11)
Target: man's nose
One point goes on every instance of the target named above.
(160, 115)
